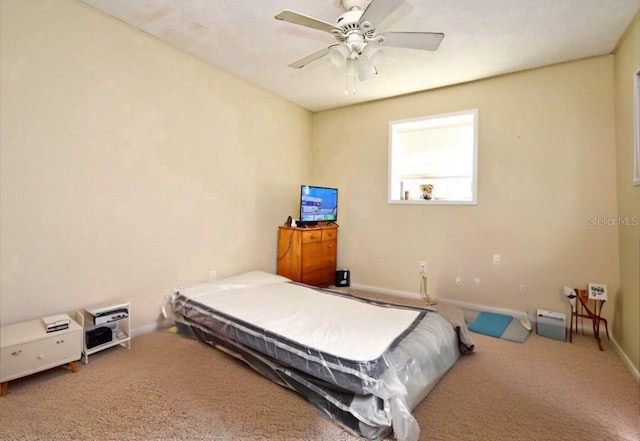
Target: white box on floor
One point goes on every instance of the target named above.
(552, 324)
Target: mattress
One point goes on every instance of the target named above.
(364, 364)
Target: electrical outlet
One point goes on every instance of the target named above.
(476, 282)
(523, 289)
(458, 280)
(496, 259)
(212, 275)
(423, 266)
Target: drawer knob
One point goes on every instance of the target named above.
(40, 356)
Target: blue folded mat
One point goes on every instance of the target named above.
(489, 323)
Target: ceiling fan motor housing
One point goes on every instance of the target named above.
(348, 5)
(349, 24)
(349, 21)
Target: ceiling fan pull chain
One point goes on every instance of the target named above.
(350, 72)
(346, 81)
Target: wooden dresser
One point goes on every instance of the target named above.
(308, 255)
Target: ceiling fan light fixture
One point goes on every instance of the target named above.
(372, 53)
(365, 69)
(339, 54)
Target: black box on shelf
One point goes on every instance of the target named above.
(99, 336)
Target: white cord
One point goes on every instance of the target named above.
(424, 287)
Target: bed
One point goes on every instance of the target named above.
(364, 364)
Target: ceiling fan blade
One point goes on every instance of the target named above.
(304, 20)
(378, 10)
(426, 41)
(310, 58)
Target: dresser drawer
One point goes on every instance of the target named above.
(311, 236)
(318, 255)
(330, 234)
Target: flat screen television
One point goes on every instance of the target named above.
(318, 204)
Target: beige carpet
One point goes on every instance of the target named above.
(171, 388)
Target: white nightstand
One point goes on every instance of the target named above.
(27, 348)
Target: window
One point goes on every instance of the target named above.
(434, 159)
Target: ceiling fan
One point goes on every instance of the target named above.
(358, 44)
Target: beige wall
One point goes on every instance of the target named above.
(128, 167)
(627, 305)
(547, 175)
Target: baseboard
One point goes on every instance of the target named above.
(152, 327)
(463, 305)
(410, 295)
(517, 314)
(634, 371)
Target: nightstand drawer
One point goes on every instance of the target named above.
(28, 358)
(26, 348)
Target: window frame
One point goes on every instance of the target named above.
(395, 125)
(636, 123)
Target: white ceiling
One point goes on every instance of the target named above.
(483, 38)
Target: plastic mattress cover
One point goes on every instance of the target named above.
(364, 364)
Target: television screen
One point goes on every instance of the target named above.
(318, 204)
